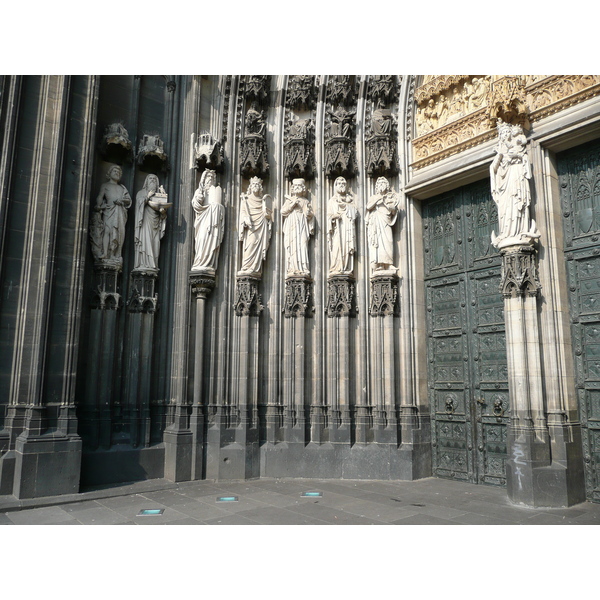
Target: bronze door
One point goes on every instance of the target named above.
(466, 346)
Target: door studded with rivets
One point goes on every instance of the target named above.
(466, 346)
(579, 181)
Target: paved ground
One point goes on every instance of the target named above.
(279, 502)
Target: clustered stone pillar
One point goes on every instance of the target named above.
(527, 438)
(528, 442)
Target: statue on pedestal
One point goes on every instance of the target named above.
(255, 222)
(341, 214)
(298, 226)
(510, 173)
(109, 218)
(382, 212)
(208, 223)
(150, 222)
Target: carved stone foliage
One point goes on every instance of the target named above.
(105, 294)
(340, 296)
(257, 89)
(115, 145)
(108, 220)
(456, 112)
(384, 292)
(510, 173)
(201, 284)
(301, 92)
(247, 299)
(253, 150)
(298, 297)
(519, 272)
(151, 156)
(299, 157)
(208, 153)
(142, 298)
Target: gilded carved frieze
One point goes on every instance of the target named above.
(456, 112)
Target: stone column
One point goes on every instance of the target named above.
(202, 285)
(528, 441)
(142, 307)
(383, 306)
(340, 308)
(298, 294)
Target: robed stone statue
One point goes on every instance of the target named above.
(150, 222)
(255, 222)
(341, 237)
(382, 213)
(298, 226)
(208, 224)
(510, 173)
(109, 218)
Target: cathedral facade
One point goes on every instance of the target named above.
(364, 277)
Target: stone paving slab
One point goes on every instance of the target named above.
(279, 502)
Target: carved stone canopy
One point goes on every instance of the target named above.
(340, 296)
(248, 302)
(384, 293)
(151, 156)
(253, 158)
(382, 159)
(341, 89)
(257, 89)
(208, 153)
(519, 272)
(340, 158)
(143, 298)
(301, 93)
(299, 161)
(298, 297)
(382, 88)
(115, 146)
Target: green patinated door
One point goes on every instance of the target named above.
(466, 346)
(579, 180)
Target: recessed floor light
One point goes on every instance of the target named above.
(312, 494)
(227, 499)
(151, 512)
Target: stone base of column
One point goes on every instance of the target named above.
(7, 473)
(531, 481)
(46, 465)
(178, 455)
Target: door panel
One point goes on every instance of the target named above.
(579, 178)
(466, 340)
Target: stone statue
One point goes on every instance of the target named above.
(109, 219)
(298, 226)
(150, 221)
(382, 120)
(382, 212)
(254, 125)
(255, 223)
(510, 173)
(341, 121)
(341, 238)
(208, 223)
(430, 114)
